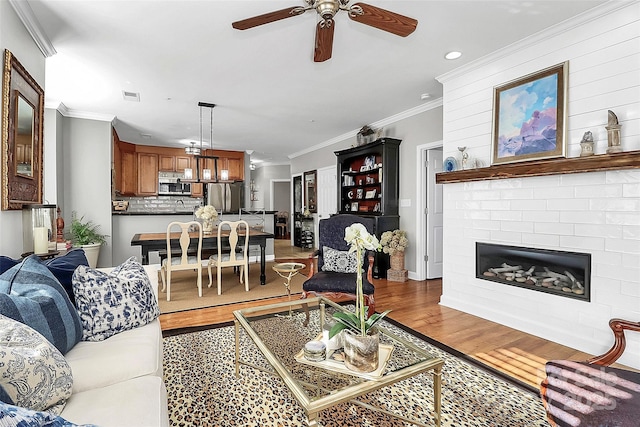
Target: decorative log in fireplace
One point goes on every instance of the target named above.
(556, 272)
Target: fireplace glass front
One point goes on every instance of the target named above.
(561, 273)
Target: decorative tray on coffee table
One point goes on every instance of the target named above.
(335, 361)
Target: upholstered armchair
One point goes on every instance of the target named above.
(336, 269)
(592, 393)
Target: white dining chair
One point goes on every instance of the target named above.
(229, 255)
(182, 261)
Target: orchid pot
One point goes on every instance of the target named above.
(361, 339)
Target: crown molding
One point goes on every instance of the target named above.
(579, 20)
(380, 123)
(77, 114)
(31, 23)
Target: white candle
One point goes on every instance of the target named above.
(40, 240)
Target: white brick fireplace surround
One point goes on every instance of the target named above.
(592, 212)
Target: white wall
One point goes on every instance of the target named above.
(87, 176)
(14, 36)
(414, 128)
(597, 213)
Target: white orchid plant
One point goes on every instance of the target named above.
(359, 238)
(207, 213)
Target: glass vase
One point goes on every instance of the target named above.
(361, 352)
(207, 226)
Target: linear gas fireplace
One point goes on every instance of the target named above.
(555, 272)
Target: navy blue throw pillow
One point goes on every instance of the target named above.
(6, 263)
(63, 267)
(30, 294)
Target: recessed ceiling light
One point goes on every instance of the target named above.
(425, 96)
(453, 55)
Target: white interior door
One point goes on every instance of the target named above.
(434, 215)
(327, 189)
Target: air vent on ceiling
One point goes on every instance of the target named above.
(131, 96)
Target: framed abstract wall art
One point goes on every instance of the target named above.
(529, 116)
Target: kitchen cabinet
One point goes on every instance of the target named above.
(147, 174)
(171, 163)
(125, 168)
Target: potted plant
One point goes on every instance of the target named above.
(361, 339)
(394, 243)
(85, 234)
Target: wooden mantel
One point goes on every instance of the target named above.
(601, 162)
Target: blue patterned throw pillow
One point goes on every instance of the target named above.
(33, 373)
(14, 416)
(339, 261)
(116, 302)
(30, 293)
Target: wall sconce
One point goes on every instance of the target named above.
(188, 173)
(39, 229)
(206, 174)
(224, 174)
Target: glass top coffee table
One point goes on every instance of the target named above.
(280, 338)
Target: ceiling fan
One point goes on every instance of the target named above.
(360, 12)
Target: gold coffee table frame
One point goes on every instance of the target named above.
(414, 362)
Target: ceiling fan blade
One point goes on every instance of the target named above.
(268, 17)
(324, 40)
(383, 19)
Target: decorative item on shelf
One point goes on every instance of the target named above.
(208, 215)
(360, 193)
(394, 243)
(365, 135)
(354, 207)
(59, 227)
(361, 339)
(464, 158)
(450, 164)
(613, 133)
(306, 213)
(39, 229)
(86, 235)
(586, 145)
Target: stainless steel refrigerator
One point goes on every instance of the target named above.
(226, 197)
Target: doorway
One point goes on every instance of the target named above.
(430, 211)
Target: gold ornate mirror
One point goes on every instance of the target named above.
(22, 136)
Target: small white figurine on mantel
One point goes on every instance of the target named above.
(465, 157)
(613, 133)
(586, 144)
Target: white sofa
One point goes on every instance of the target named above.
(118, 382)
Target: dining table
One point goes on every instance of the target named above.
(155, 242)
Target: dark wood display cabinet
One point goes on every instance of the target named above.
(369, 185)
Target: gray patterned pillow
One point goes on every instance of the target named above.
(339, 261)
(116, 302)
(33, 373)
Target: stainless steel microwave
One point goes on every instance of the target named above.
(169, 184)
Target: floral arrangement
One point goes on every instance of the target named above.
(207, 213)
(359, 238)
(394, 241)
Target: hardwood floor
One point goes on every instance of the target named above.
(416, 305)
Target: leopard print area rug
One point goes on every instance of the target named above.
(199, 372)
